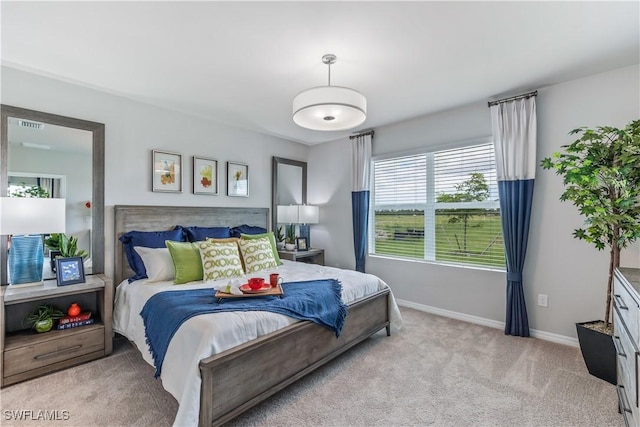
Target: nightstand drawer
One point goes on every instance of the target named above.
(629, 310)
(25, 358)
(627, 362)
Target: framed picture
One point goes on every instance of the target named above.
(301, 244)
(167, 172)
(205, 176)
(69, 270)
(237, 179)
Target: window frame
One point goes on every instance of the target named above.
(430, 206)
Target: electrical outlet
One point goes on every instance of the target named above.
(543, 300)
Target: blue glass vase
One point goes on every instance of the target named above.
(25, 259)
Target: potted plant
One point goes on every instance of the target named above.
(42, 318)
(290, 241)
(601, 175)
(279, 238)
(62, 246)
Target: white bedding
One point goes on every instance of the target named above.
(204, 335)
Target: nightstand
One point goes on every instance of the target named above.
(312, 256)
(27, 354)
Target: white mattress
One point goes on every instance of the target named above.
(208, 334)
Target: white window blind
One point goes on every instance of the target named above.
(439, 206)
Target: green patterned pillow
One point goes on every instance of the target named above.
(257, 254)
(272, 239)
(186, 261)
(220, 260)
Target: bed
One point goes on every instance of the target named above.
(219, 365)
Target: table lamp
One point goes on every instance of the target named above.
(307, 215)
(26, 220)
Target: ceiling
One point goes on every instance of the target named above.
(242, 63)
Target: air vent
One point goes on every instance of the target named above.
(30, 124)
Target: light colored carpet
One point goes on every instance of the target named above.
(436, 371)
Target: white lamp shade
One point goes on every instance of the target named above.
(288, 214)
(329, 108)
(308, 214)
(28, 215)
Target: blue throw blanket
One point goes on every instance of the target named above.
(319, 301)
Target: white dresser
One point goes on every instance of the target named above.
(626, 337)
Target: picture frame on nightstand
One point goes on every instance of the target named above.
(301, 244)
(69, 271)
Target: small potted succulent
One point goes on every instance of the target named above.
(290, 241)
(43, 316)
(280, 238)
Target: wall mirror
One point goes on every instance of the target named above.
(61, 157)
(289, 185)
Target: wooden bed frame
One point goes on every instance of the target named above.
(241, 377)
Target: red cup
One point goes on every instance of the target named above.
(275, 279)
(256, 283)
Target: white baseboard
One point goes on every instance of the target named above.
(547, 336)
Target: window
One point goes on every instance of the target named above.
(438, 206)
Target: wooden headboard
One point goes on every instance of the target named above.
(160, 218)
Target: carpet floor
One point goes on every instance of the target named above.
(435, 372)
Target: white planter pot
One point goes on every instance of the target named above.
(290, 246)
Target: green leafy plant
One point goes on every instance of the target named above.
(29, 191)
(279, 234)
(44, 313)
(67, 245)
(474, 189)
(53, 242)
(291, 235)
(601, 175)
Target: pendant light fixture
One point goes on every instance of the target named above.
(329, 107)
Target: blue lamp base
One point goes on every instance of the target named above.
(25, 260)
(305, 231)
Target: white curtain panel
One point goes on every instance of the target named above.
(514, 134)
(361, 163)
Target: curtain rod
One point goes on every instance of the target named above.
(513, 98)
(368, 132)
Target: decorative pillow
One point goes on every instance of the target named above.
(257, 254)
(272, 240)
(147, 239)
(246, 229)
(186, 261)
(157, 263)
(220, 260)
(198, 234)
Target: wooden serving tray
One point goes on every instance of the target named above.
(277, 291)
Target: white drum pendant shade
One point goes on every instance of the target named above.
(329, 108)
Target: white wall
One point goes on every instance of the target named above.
(570, 272)
(133, 129)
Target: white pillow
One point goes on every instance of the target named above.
(157, 262)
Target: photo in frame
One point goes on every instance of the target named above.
(167, 172)
(237, 179)
(302, 244)
(205, 176)
(69, 271)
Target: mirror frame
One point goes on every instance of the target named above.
(97, 198)
(274, 186)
